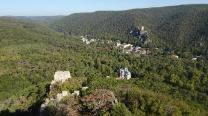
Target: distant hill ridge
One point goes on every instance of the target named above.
(182, 28)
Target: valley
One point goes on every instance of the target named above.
(163, 52)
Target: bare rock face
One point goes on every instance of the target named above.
(100, 99)
(62, 76)
(60, 96)
(59, 77)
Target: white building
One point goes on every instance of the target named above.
(124, 74)
(194, 59)
(85, 40)
(127, 46)
(92, 40)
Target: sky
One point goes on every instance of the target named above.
(66, 7)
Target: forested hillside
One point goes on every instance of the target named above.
(178, 28)
(31, 53)
(29, 56)
(39, 19)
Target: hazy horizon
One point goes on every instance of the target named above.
(90, 11)
(67, 7)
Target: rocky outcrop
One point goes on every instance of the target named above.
(60, 96)
(61, 76)
(99, 100)
(74, 104)
(141, 34)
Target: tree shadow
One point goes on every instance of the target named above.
(32, 111)
(16, 113)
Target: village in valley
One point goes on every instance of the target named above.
(127, 48)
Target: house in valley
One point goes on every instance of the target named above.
(124, 74)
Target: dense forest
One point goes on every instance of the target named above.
(30, 54)
(178, 28)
